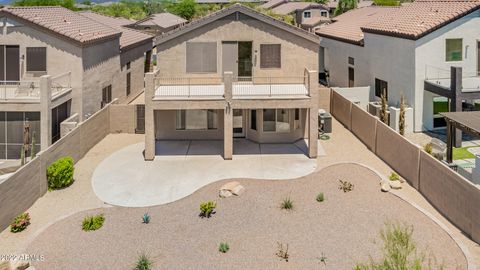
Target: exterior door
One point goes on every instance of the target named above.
(238, 123)
(351, 77)
(230, 57)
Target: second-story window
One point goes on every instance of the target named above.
(324, 13)
(270, 56)
(36, 59)
(307, 14)
(201, 57)
(454, 50)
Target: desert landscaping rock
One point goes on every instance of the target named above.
(395, 184)
(346, 228)
(231, 188)
(385, 186)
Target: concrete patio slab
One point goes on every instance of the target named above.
(125, 179)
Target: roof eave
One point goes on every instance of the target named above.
(345, 40)
(136, 44)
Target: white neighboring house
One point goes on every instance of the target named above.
(402, 49)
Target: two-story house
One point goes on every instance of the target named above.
(307, 15)
(408, 50)
(55, 63)
(234, 73)
(159, 23)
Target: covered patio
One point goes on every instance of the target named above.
(468, 122)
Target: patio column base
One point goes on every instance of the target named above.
(228, 134)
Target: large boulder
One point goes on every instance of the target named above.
(231, 188)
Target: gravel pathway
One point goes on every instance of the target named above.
(345, 227)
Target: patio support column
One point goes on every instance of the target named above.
(228, 117)
(313, 114)
(45, 111)
(456, 101)
(450, 131)
(149, 119)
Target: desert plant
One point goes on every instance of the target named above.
(323, 258)
(384, 108)
(428, 148)
(143, 263)
(60, 173)
(93, 223)
(394, 176)
(22, 155)
(223, 247)
(146, 218)
(399, 251)
(207, 209)
(282, 252)
(320, 197)
(401, 119)
(345, 186)
(287, 204)
(20, 223)
(33, 153)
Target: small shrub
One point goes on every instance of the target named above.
(345, 186)
(323, 258)
(60, 173)
(428, 148)
(146, 218)
(143, 263)
(282, 253)
(93, 223)
(394, 176)
(223, 248)
(207, 209)
(20, 223)
(287, 204)
(320, 197)
(439, 156)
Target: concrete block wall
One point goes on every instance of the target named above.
(122, 118)
(450, 193)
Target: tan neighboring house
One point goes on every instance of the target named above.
(234, 73)
(159, 23)
(307, 15)
(332, 5)
(57, 64)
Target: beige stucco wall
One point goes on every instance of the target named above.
(297, 53)
(364, 126)
(122, 118)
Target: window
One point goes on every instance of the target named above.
(196, 119)
(351, 61)
(351, 77)
(324, 13)
(307, 14)
(253, 119)
(128, 65)
(297, 119)
(106, 95)
(440, 104)
(276, 120)
(129, 86)
(270, 56)
(381, 86)
(36, 59)
(454, 49)
(201, 57)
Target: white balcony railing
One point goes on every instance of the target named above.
(189, 87)
(269, 87)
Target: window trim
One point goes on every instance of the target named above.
(307, 12)
(37, 72)
(280, 56)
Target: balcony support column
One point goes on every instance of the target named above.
(45, 111)
(313, 114)
(228, 117)
(149, 117)
(456, 101)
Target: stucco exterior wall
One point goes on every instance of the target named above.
(296, 52)
(122, 118)
(430, 60)
(364, 126)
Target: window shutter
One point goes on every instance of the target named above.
(270, 56)
(201, 57)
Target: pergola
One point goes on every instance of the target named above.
(468, 122)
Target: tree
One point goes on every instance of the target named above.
(401, 120)
(386, 2)
(185, 9)
(344, 6)
(70, 4)
(383, 110)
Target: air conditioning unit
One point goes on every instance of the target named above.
(375, 107)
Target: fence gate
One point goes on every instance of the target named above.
(140, 123)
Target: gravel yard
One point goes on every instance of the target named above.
(345, 228)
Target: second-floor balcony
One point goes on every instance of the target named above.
(198, 88)
(29, 91)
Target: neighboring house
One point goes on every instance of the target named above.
(159, 23)
(308, 15)
(273, 4)
(332, 5)
(234, 73)
(55, 63)
(407, 50)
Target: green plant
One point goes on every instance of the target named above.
(60, 173)
(143, 263)
(20, 223)
(185, 9)
(384, 107)
(323, 258)
(287, 204)
(207, 209)
(282, 252)
(93, 223)
(344, 6)
(224, 247)
(22, 155)
(401, 119)
(399, 251)
(33, 153)
(345, 186)
(428, 148)
(146, 218)
(320, 197)
(394, 176)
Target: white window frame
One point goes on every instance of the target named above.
(305, 14)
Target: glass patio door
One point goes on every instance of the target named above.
(245, 60)
(238, 123)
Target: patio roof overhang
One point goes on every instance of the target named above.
(468, 122)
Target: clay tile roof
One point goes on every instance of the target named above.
(313, 21)
(272, 3)
(290, 7)
(347, 27)
(164, 20)
(64, 22)
(421, 17)
(128, 38)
